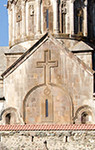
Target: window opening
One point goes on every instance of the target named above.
(46, 106)
(93, 62)
(84, 118)
(78, 16)
(8, 118)
(63, 17)
(66, 139)
(94, 83)
(45, 142)
(32, 139)
(63, 23)
(80, 20)
(47, 18)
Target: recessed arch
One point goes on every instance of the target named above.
(52, 104)
(9, 115)
(83, 115)
(28, 93)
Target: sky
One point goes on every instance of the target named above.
(3, 23)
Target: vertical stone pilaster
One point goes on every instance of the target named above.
(23, 19)
(38, 17)
(10, 26)
(85, 19)
(27, 18)
(56, 27)
(71, 18)
(14, 24)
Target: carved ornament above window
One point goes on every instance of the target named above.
(47, 3)
(63, 7)
(31, 10)
(64, 3)
(19, 16)
(64, 10)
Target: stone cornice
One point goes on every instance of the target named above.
(10, 2)
(14, 2)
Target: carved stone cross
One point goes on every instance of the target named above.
(47, 64)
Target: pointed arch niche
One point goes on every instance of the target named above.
(47, 104)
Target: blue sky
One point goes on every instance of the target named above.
(3, 24)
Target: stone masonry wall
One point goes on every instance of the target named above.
(47, 140)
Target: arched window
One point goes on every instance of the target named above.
(80, 20)
(83, 115)
(84, 118)
(31, 19)
(8, 118)
(78, 16)
(63, 17)
(47, 18)
(47, 15)
(91, 18)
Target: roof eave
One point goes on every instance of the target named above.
(24, 55)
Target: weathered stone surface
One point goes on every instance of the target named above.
(30, 19)
(50, 72)
(51, 140)
(47, 79)
(3, 62)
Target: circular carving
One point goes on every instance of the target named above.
(47, 91)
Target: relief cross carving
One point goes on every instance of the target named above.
(47, 64)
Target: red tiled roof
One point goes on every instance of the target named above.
(47, 127)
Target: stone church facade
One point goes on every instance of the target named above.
(47, 72)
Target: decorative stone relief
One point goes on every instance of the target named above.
(64, 9)
(31, 10)
(47, 91)
(47, 2)
(64, 3)
(47, 64)
(31, 19)
(19, 16)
